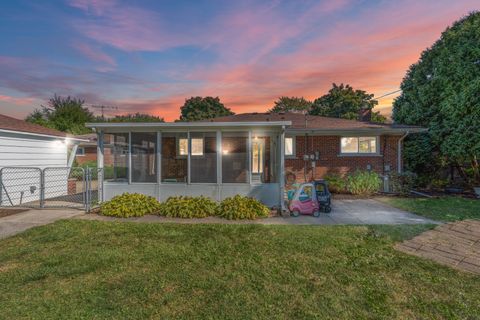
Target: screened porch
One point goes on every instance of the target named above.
(216, 160)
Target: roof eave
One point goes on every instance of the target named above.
(181, 125)
(356, 131)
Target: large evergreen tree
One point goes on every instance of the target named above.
(199, 108)
(442, 92)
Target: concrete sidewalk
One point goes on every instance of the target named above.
(19, 222)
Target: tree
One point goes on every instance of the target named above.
(134, 117)
(64, 114)
(291, 104)
(441, 92)
(342, 101)
(198, 108)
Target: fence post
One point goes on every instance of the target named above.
(42, 188)
(87, 189)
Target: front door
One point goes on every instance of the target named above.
(258, 156)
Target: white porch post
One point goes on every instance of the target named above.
(249, 152)
(219, 165)
(100, 164)
(281, 174)
(189, 147)
(159, 157)
(129, 157)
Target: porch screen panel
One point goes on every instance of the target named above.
(203, 157)
(144, 157)
(116, 149)
(234, 157)
(174, 157)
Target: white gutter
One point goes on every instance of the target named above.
(399, 152)
(186, 124)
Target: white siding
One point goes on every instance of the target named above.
(23, 185)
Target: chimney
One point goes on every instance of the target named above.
(365, 115)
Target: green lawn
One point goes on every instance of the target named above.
(92, 269)
(442, 209)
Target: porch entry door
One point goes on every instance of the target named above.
(258, 159)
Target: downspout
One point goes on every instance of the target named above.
(399, 152)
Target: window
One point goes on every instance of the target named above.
(144, 157)
(174, 160)
(203, 160)
(80, 151)
(234, 157)
(366, 145)
(116, 149)
(289, 146)
(197, 146)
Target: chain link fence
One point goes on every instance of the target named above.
(52, 187)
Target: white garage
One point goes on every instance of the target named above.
(26, 150)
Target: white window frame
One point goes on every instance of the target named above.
(181, 155)
(294, 150)
(203, 146)
(80, 154)
(358, 153)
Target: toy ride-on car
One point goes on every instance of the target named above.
(311, 198)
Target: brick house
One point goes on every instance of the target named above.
(249, 154)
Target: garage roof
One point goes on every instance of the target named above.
(17, 125)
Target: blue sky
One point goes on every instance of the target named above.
(149, 56)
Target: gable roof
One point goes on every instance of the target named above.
(301, 122)
(13, 124)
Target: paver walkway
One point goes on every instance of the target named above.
(455, 244)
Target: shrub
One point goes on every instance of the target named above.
(129, 205)
(188, 207)
(239, 207)
(336, 183)
(363, 183)
(402, 182)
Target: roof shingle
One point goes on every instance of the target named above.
(12, 124)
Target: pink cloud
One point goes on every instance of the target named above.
(95, 54)
(16, 100)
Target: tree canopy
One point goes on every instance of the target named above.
(291, 104)
(134, 117)
(442, 92)
(66, 114)
(342, 101)
(199, 108)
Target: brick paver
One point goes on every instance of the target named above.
(455, 244)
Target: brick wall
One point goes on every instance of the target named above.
(91, 155)
(332, 162)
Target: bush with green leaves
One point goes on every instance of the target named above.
(240, 207)
(402, 182)
(130, 205)
(336, 182)
(188, 207)
(363, 183)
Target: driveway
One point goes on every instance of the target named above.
(16, 223)
(355, 211)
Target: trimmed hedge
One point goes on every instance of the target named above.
(129, 205)
(188, 207)
(239, 207)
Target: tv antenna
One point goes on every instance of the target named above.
(102, 108)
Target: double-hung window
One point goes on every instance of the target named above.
(289, 146)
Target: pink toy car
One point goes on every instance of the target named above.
(311, 198)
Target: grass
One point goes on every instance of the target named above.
(91, 269)
(442, 209)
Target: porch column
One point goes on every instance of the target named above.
(158, 163)
(249, 152)
(129, 157)
(219, 164)
(100, 164)
(281, 174)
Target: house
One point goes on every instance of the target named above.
(249, 154)
(26, 150)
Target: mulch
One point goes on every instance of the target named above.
(455, 244)
(9, 212)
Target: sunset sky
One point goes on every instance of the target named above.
(149, 56)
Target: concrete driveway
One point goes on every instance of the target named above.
(16, 223)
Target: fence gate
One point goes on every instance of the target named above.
(52, 187)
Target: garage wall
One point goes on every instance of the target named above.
(23, 185)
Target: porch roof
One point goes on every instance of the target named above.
(187, 125)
